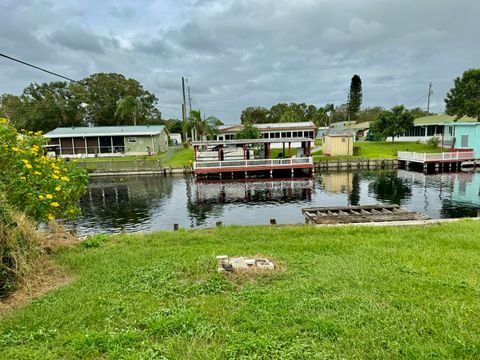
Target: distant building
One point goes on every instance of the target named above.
(176, 137)
(463, 135)
(424, 128)
(109, 140)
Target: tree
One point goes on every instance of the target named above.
(199, 127)
(254, 115)
(354, 97)
(248, 132)
(128, 108)
(103, 91)
(418, 112)
(369, 114)
(276, 111)
(392, 123)
(43, 107)
(464, 98)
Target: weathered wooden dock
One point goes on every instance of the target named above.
(359, 214)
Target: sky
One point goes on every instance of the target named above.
(244, 53)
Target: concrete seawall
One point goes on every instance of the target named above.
(325, 165)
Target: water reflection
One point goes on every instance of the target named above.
(157, 202)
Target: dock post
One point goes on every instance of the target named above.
(271, 173)
(175, 227)
(293, 173)
(218, 223)
(273, 222)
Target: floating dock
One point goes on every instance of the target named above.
(359, 214)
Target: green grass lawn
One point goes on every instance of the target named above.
(343, 292)
(382, 149)
(182, 157)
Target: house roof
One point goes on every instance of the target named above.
(139, 130)
(271, 126)
(249, 141)
(440, 119)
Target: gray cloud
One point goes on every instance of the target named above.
(242, 53)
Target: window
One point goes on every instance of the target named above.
(220, 138)
(284, 134)
(305, 134)
(343, 139)
(277, 135)
(265, 135)
(132, 140)
(289, 134)
(464, 141)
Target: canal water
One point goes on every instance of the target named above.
(136, 203)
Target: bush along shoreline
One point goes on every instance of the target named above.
(34, 189)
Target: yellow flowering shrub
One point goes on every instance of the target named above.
(44, 188)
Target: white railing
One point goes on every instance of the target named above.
(252, 163)
(426, 157)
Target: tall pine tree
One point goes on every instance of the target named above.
(354, 97)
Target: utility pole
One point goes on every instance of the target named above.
(183, 110)
(189, 100)
(430, 93)
(184, 102)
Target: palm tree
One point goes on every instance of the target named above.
(199, 127)
(128, 107)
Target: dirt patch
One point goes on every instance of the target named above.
(45, 276)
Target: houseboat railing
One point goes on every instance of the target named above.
(426, 157)
(252, 163)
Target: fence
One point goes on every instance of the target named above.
(425, 157)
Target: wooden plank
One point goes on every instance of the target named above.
(342, 219)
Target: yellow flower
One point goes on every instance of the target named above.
(15, 149)
(58, 188)
(28, 166)
(25, 161)
(37, 173)
(51, 217)
(55, 204)
(3, 121)
(40, 197)
(55, 176)
(23, 178)
(38, 133)
(65, 178)
(49, 196)
(56, 171)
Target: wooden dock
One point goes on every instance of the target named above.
(359, 214)
(434, 162)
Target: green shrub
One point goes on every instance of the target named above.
(39, 189)
(433, 142)
(42, 187)
(357, 150)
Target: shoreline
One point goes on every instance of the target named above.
(369, 164)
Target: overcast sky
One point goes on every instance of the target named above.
(248, 53)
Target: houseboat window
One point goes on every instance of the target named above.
(312, 135)
(284, 134)
(289, 134)
(132, 140)
(464, 141)
(277, 135)
(305, 134)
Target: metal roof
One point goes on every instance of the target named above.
(139, 130)
(271, 126)
(250, 141)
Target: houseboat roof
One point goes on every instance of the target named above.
(139, 130)
(271, 126)
(249, 141)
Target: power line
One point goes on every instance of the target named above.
(37, 67)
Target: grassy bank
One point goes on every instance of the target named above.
(382, 150)
(345, 292)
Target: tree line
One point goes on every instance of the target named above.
(101, 99)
